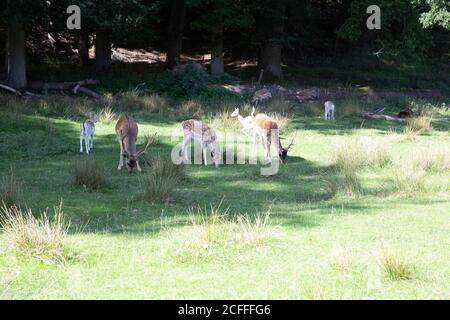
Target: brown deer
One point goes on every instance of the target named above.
(265, 127)
(406, 113)
(127, 132)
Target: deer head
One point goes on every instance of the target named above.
(283, 152)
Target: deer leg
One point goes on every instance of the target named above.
(81, 143)
(120, 156)
(184, 148)
(204, 155)
(92, 140)
(87, 144)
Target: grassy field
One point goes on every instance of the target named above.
(360, 210)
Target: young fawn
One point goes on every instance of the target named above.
(196, 130)
(87, 131)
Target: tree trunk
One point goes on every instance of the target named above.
(270, 59)
(102, 52)
(175, 32)
(83, 49)
(16, 57)
(217, 50)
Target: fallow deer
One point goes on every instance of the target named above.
(261, 96)
(196, 130)
(329, 110)
(266, 127)
(127, 133)
(87, 131)
(246, 122)
(406, 113)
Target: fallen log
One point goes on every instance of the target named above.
(370, 115)
(39, 85)
(10, 89)
(88, 92)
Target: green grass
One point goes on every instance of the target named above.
(317, 243)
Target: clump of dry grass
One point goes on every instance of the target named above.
(394, 266)
(107, 116)
(135, 100)
(411, 179)
(9, 187)
(89, 174)
(435, 160)
(278, 105)
(346, 184)
(190, 110)
(360, 152)
(416, 126)
(41, 238)
(214, 228)
(161, 178)
(342, 258)
(350, 107)
(223, 122)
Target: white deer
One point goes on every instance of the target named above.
(87, 131)
(247, 122)
(196, 130)
(329, 110)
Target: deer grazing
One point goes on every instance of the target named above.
(267, 129)
(87, 131)
(329, 110)
(247, 122)
(127, 133)
(196, 130)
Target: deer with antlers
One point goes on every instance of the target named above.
(127, 132)
(268, 130)
(246, 122)
(197, 130)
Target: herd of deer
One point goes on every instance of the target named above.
(254, 125)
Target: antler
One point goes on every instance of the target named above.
(292, 141)
(150, 140)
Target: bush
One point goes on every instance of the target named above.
(8, 190)
(186, 80)
(89, 174)
(161, 179)
(41, 238)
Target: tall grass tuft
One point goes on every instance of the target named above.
(410, 179)
(436, 160)
(223, 122)
(89, 174)
(107, 116)
(9, 187)
(345, 183)
(360, 152)
(41, 238)
(394, 266)
(190, 110)
(213, 228)
(416, 126)
(160, 180)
